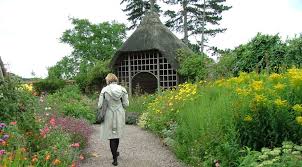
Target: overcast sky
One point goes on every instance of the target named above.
(30, 29)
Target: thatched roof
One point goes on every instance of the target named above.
(152, 34)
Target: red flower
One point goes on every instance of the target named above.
(75, 145)
(13, 123)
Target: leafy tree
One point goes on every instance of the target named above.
(225, 65)
(294, 52)
(136, 9)
(2, 70)
(196, 17)
(263, 52)
(67, 68)
(93, 77)
(91, 43)
(193, 67)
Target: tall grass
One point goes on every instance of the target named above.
(139, 103)
(206, 129)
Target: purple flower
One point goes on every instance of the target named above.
(2, 125)
(2, 152)
(5, 137)
(74, 126)
(1, 140)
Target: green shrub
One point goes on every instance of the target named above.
(287, 155)
(139, 103)
(70, 102)
(93, 78)
(193, 67)
(207, 122)
(14, 100)
(49, 85)
(205, 131)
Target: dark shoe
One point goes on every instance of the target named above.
(114, 163)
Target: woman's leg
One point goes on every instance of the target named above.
(113, 147)
(117, 143)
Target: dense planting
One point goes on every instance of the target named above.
(33, 133)
(204, 122)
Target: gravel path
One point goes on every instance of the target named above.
(137, 148)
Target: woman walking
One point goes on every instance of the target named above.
(114, 122)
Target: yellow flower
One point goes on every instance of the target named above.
(257, 85)
(259, 98)
(219, 82)
(275, 76)
(248, 118)
(295, 76)
(243, 92)
(299, 120)
(279, 86)
(297, 108)
(280, 102)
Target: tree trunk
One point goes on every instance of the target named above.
(2, 70)
(152, 2)
(185, 25)
(203, 26)
(1, 75)
(267, 63)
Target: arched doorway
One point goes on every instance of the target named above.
(144, 82)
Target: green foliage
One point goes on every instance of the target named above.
(287, 155)
(136, 9)
(28, 137)
(193, 67)
(70, 102)
(224, 68)
(14, 100)
(50, 85)
(294, 52)
(205, 131)
(263, 52)
(93, 46)
(139, 103)
(93, 41)
(36, 146)
(93, 78)
(267, 53)
(64, 69)
(252, 110)
(265, 105)
(198, 22)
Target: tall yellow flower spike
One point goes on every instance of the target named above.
(297, 108)
(280, 102)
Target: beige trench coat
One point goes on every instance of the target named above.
(114, 122)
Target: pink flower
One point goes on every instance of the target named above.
(75, 145)
(44, 131)
(13, 123)
(52, 121)
(2, 152)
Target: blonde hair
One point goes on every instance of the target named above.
(110, 78)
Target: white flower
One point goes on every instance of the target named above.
(47, 108)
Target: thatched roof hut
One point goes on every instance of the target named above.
(147, 59)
